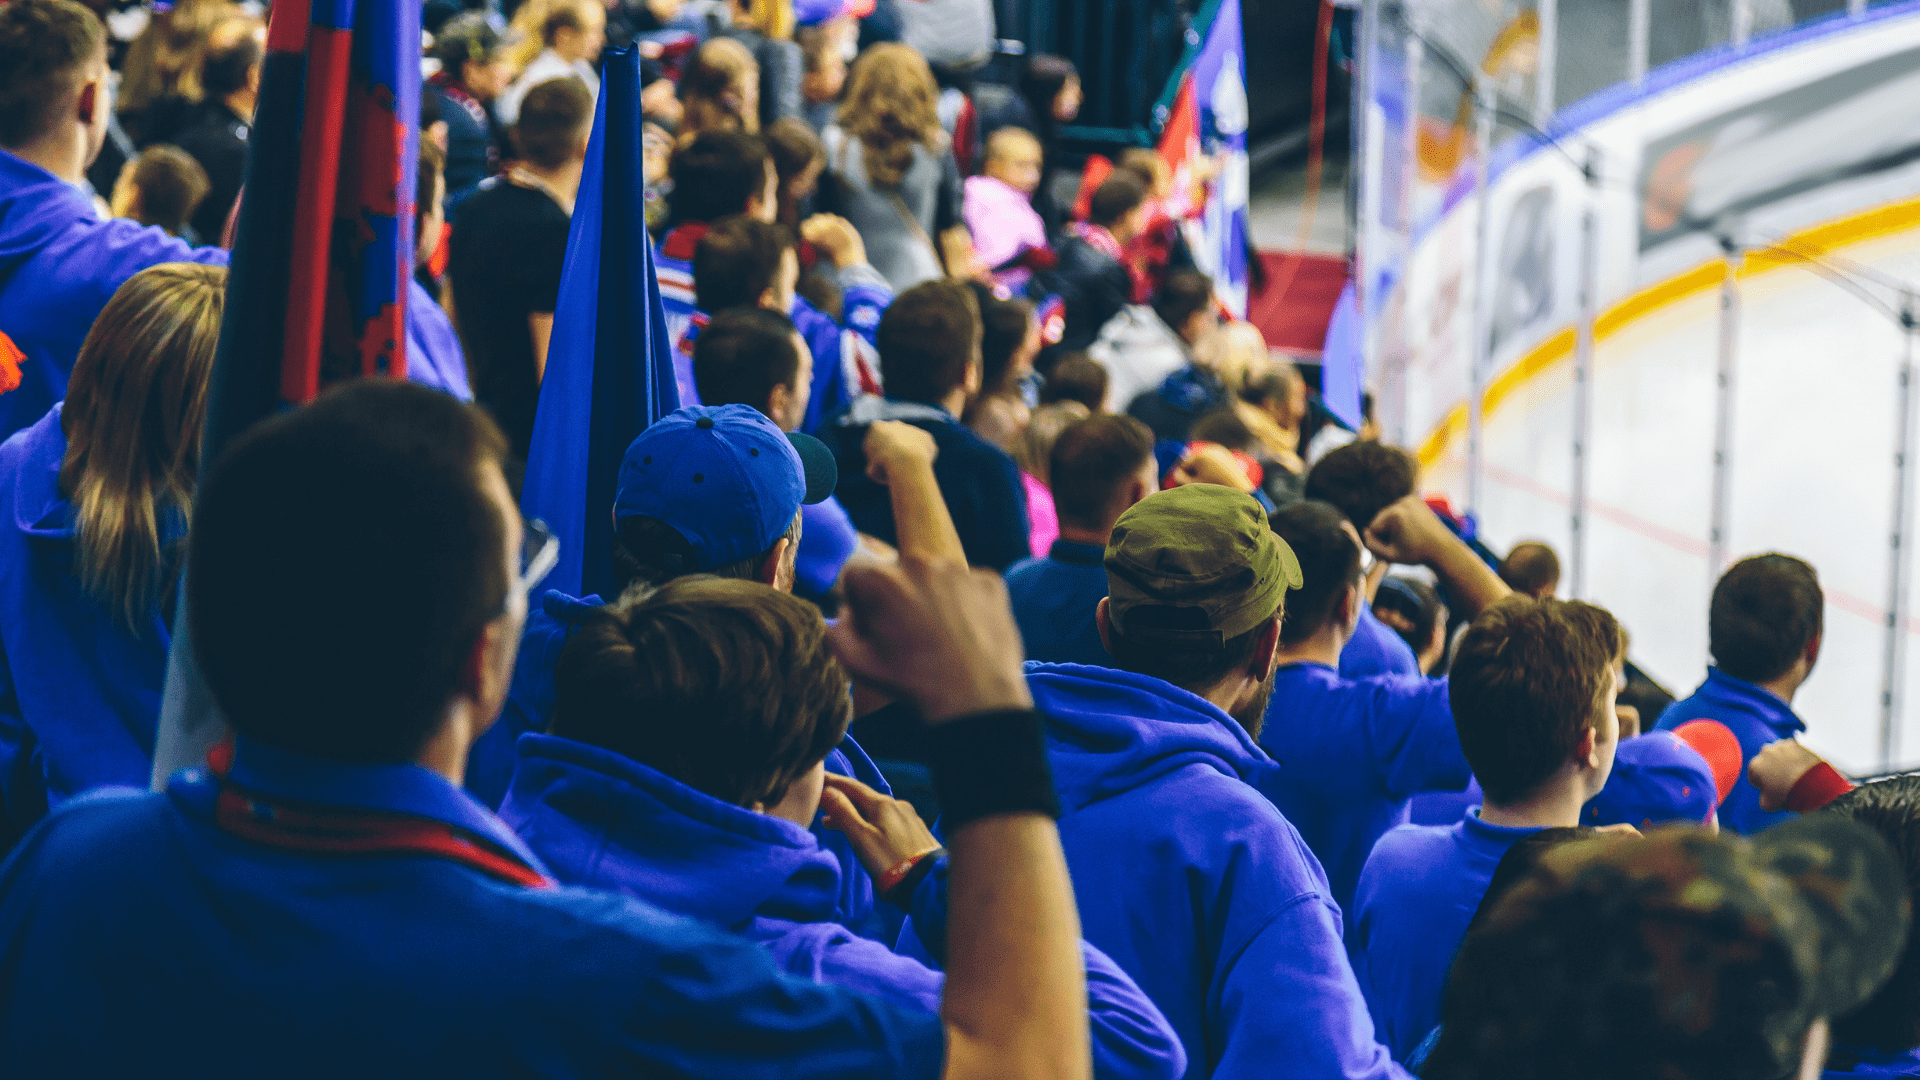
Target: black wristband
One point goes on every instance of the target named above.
(901, 895)
(988, 764)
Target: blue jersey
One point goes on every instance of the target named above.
(1352, 754)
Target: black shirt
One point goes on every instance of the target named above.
(218, 141)
(505, 257)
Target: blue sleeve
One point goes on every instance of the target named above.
(716, 1006)
(1289, 1005)
(1131, 1039)
(838, 956)
(1411, 736)
(857, 907)
(864, 296)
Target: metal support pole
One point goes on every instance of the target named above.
(1544, 78)
(1479, 358)
(1899, 551)
(1395, 354)
(1583, 373)
(1723, 410)
(1639, 38)
(1742, 12)
(1856, 8)
(1364, 196)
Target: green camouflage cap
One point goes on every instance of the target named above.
(1684, 953)
(1204, 548)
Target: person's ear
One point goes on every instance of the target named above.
(1588, 748)
(1104, 622)
(253, 77)
(1136, 490)
(779, 402)
(975, 375)
(1350, 611)
(1813, 652)
(769, 299)
(776, 560)
(1267, 653)
(93, 97)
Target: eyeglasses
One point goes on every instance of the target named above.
(539, 552)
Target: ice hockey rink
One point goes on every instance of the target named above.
(1812, 468)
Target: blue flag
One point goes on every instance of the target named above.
(1219, 80)
(609, 366)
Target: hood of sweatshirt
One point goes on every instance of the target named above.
(35, 206)
(1111, 731)
(603, 820)
(39, 510)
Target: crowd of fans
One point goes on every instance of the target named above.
(1013, 669)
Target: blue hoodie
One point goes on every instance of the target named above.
(1355, 752)
(1192, 881)
(1868, 1063)
(602, 820)
(529, 707)
(79, 688)
(1756, 717)
(59, 265)
(1416, 896)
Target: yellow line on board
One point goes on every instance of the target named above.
(1842, 232)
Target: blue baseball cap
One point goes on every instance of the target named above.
(725, 478)
(1656, 778)
(815, 12)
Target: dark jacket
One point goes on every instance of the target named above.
(218, 141)
(1093, 285)
(980, 483)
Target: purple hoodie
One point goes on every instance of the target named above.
(1195, 883)
(59, 265)
(79, 688)
(602, 820)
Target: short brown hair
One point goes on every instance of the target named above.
(1329, 565)
(744, 353)
(1116, 198)
(171, 186)
(736, 261)
(1766, 611)
(1091, 462)
(47, 49)
(553, 117)
(928, 336)
(1076, 377)
(1527, 682)
(278, 516)
(565, 15)
(726, 686)
(1531, 568)
(1362, 479)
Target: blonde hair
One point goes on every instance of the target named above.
(889, 107)
(530, 25)
(1033, 450)
(132, 418)
(1007, 139)
(720, 90)
(164, 61)
(1237, 354)
(773, 18)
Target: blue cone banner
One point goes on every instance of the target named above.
(609, 365)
